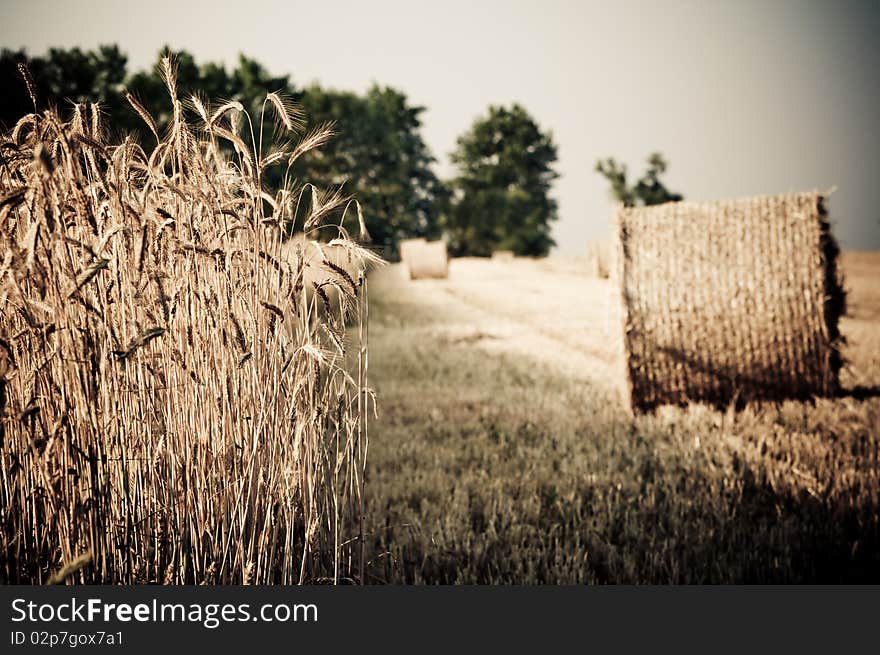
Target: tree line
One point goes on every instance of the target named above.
(498, 199)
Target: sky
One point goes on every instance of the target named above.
(743, 98)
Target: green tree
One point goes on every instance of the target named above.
(648, 190)
(248, 83)
(62, 77)
(501, 195)
(378, 156)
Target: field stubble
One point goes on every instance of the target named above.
(502, 453)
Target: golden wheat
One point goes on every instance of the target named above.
(173, 405)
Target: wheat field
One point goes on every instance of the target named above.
(175, 400)
(186, 395)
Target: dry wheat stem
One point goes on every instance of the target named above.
(175, 404)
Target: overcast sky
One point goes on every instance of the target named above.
(742, 97)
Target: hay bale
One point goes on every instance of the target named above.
(406, 245)
(316, 253)
(731, 300)
(600, 255)
(427, 260)
(502, 256)
(326, 265)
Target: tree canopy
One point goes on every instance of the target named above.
(648, 189)
(62, 77)
(499, 199)
(501, 195)
(378, 155)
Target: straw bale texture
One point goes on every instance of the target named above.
(428, 260)
(731, 300)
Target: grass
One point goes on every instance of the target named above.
(174, 405)
(488, 468)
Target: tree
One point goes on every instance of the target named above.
(248, 83)
(378, 155)
(501, 192)
(61, 77)
(648, 190)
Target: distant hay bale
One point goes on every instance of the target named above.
(600, 255)
(320, 256)
(503, 256)
(427, 260)
(330, 267)
(406, 245)
(730, 300)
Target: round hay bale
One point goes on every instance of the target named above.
(325, 266)
(502, 256)
(428, 260)
(406, 245)
(729, 300)
(599, 258)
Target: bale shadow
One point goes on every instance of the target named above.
(729, 385)
(720, 386)
(860, 392)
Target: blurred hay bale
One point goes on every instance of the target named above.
(600, 256)
(329, 266)
(315, 254)
(406, 245)
(427, 260)
(730, 300)
(503, 256)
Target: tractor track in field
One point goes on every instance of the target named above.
(526, 308)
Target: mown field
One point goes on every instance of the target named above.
(501, 453)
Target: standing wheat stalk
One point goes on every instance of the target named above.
(173, 400)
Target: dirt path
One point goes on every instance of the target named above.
(547, 310)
